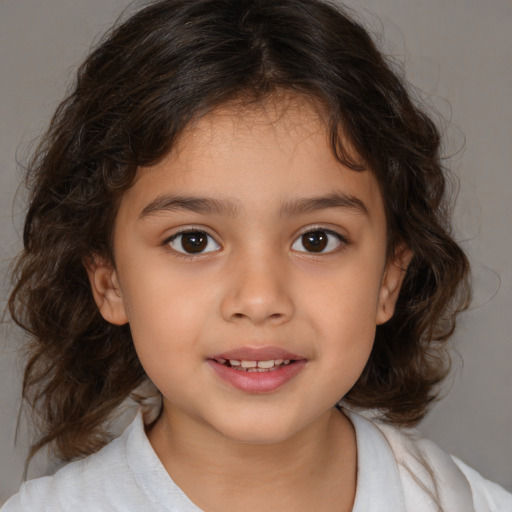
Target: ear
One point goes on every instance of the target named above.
(105, 289)
(391, 283)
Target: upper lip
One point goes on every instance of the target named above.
(265, 353)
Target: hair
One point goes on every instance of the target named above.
(148, 79)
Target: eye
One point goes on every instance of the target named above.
(319, 241)
(193, 242)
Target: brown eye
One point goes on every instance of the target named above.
(193, 242)
(319, 241)
(316, 241)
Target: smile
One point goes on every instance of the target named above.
(255, 366)
(257, 370)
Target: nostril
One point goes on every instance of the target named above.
(257, 309)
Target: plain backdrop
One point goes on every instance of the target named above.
(455, 52)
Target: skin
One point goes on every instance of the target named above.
(256, 284)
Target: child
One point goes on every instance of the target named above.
(240, 204)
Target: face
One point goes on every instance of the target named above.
(251, 266)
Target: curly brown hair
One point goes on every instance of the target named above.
(171, 63)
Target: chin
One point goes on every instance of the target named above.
(259, 431)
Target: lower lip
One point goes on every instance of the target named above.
(257, 382)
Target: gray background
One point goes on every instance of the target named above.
(456, 52)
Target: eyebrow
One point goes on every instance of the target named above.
(206, 205)
(316, 203)
(229, 207)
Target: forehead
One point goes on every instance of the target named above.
(257, 156)
(282, 119)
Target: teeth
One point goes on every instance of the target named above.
(256, 370)
(266, 364)
(256, 366)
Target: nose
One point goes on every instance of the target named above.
(257, 291)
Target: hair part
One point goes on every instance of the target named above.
(151, 77)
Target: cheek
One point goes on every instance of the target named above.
(164, 334)
(343, 311)
(345, 300)
(167, 313)
(348, 341)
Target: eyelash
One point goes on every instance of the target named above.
(341, 240)
(192, 230)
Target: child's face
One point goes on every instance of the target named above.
(283, 257)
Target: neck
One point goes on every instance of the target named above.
(314, 469)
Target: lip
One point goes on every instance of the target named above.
(257, 382)
(265, 353)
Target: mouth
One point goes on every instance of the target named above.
(257, 369)
(253, 366)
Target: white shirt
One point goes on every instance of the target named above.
(397, 472)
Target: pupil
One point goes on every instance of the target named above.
(316, 241)
(194, 242)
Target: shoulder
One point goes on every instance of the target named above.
(485, 493)
(432, 478)
(102, 478)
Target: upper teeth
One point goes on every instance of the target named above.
(258, 364)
